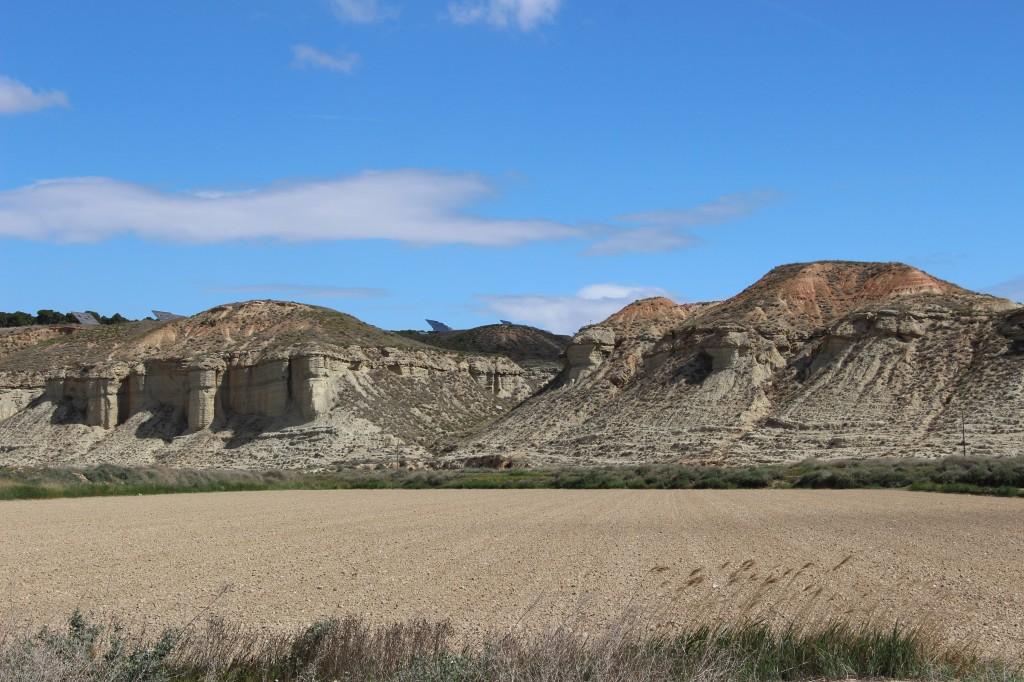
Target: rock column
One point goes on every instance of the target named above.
(310, 385)
(101, 402)
(202, 398)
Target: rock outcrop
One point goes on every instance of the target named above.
(829, 359)
(587, 351)
(255, 384)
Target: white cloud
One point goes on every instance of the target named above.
(17, 98)
(566, 314)
(313, 291)
(415, 207)
(307, 55)
(642, 240)
(362, 11)
(523, 14)
(659, 231)
(723, 209)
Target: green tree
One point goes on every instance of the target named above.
(16, 319)
(49, 317)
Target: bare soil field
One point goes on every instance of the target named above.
(494, 559)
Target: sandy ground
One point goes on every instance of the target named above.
(494, 558)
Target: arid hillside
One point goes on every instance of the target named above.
(257, 384)
(516, 341)
(537, 351)
(830, 359)
(826, 359)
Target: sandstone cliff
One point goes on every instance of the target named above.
(256, 384)
(829, 359)
(832, 359)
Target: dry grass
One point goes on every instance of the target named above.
(757, 645)
(351, 649)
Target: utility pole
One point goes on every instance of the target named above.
(963, 431)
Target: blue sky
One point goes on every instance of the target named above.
(538, 160)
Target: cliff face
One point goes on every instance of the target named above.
(255, 384)
(830, 359)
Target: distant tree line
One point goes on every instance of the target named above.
(23, 319)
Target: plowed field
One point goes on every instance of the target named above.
(493, 558)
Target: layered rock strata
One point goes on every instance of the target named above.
(165, 394)
(830, 359)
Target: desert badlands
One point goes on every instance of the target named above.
(839, 362)
(826, 359)
(511, 341)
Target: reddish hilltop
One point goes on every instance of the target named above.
(651, 313)
(802, 296)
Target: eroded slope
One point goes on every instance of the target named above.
(833, 359)
(262, 383)
(537, 351)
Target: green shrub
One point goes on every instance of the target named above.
(989, 476)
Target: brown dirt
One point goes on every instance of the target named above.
(490, 558)
(802, 296)
(656, 309)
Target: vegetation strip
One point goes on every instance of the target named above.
(970, 475)
(352, 649)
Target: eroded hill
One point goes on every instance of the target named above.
(827, 359)
(833, 359)
(260, 384)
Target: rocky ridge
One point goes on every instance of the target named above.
(829, 359)
(258, 384)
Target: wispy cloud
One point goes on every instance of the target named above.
(525, 15)
(313, 291)
(362, 11)
(415, 207)
(309, 56)
(641, 240)
(566, 314)
(668, 230)
(1012, 289)
(18, 98)
(723, 209)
